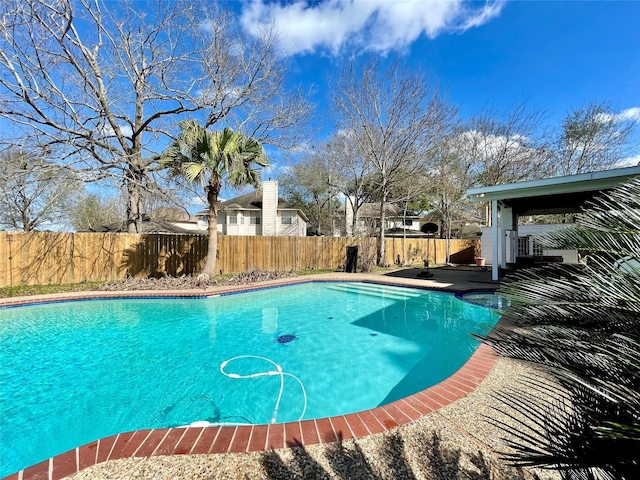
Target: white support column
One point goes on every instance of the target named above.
(506, 224)
(495, 231)
(515, 237)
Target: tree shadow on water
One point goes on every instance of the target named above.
(427, 458)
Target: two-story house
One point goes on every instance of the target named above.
(367, 220)
(260, 213)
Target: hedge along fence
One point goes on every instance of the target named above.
(40, 258)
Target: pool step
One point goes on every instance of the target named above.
(384, 291)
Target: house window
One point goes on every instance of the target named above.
(254, 218)
(233, 219)
(408, 222)
(537, 248)
(523, 246)
(287, 218)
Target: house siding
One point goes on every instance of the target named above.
(298, 227)
(222, 223)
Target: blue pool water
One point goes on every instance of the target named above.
(487, 299)
(73, 372)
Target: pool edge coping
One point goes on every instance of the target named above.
(216, 290)
(253, 438)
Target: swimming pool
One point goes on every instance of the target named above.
(73, 372)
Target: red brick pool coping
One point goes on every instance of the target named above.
(252, 438)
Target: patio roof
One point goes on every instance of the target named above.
(566, 194)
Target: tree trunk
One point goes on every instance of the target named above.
(134, 179)
(213, 189)
(381, 237)
(404, 232)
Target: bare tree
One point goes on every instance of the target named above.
(349, 173)
(505, 146)
(91, 210)
(393, 118)
(592, 138)
(105, 83)
(410, 196)
(307, 186)
(34, 193)
(451, 176)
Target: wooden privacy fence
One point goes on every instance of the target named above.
(40, 258)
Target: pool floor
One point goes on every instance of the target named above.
(244, 439)
(233, 439)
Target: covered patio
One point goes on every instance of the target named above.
(557, 195)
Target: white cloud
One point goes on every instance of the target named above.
(108, 131)
(197, 202)
(629, 162)
(484, 147)
(632, 114)
(629, 114)
(374, 25)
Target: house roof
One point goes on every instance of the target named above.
(171, 214)
(148, 226)
(553, 195)
(373, 210)
(461, 216)
(401, 232)
(252, 201)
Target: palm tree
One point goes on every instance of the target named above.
(211, 158)
(579, 327)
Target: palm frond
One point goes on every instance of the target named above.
(610, 224)
(204, 156)
(580, 326)
(192, 171)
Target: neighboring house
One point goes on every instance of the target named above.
(260, 213)
(467, 224)
(180, 218)
(399, 225)
(368, 220)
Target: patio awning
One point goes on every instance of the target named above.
(567, 194)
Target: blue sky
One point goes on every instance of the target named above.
(554, 55)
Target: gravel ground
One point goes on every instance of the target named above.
(456, 442)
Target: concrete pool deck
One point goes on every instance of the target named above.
(249, 445)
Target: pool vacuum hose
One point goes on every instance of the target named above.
(278, 371)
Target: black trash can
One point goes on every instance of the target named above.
(352, 260)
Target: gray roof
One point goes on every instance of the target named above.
(251, 201)
(148, 226)
(373, 210)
